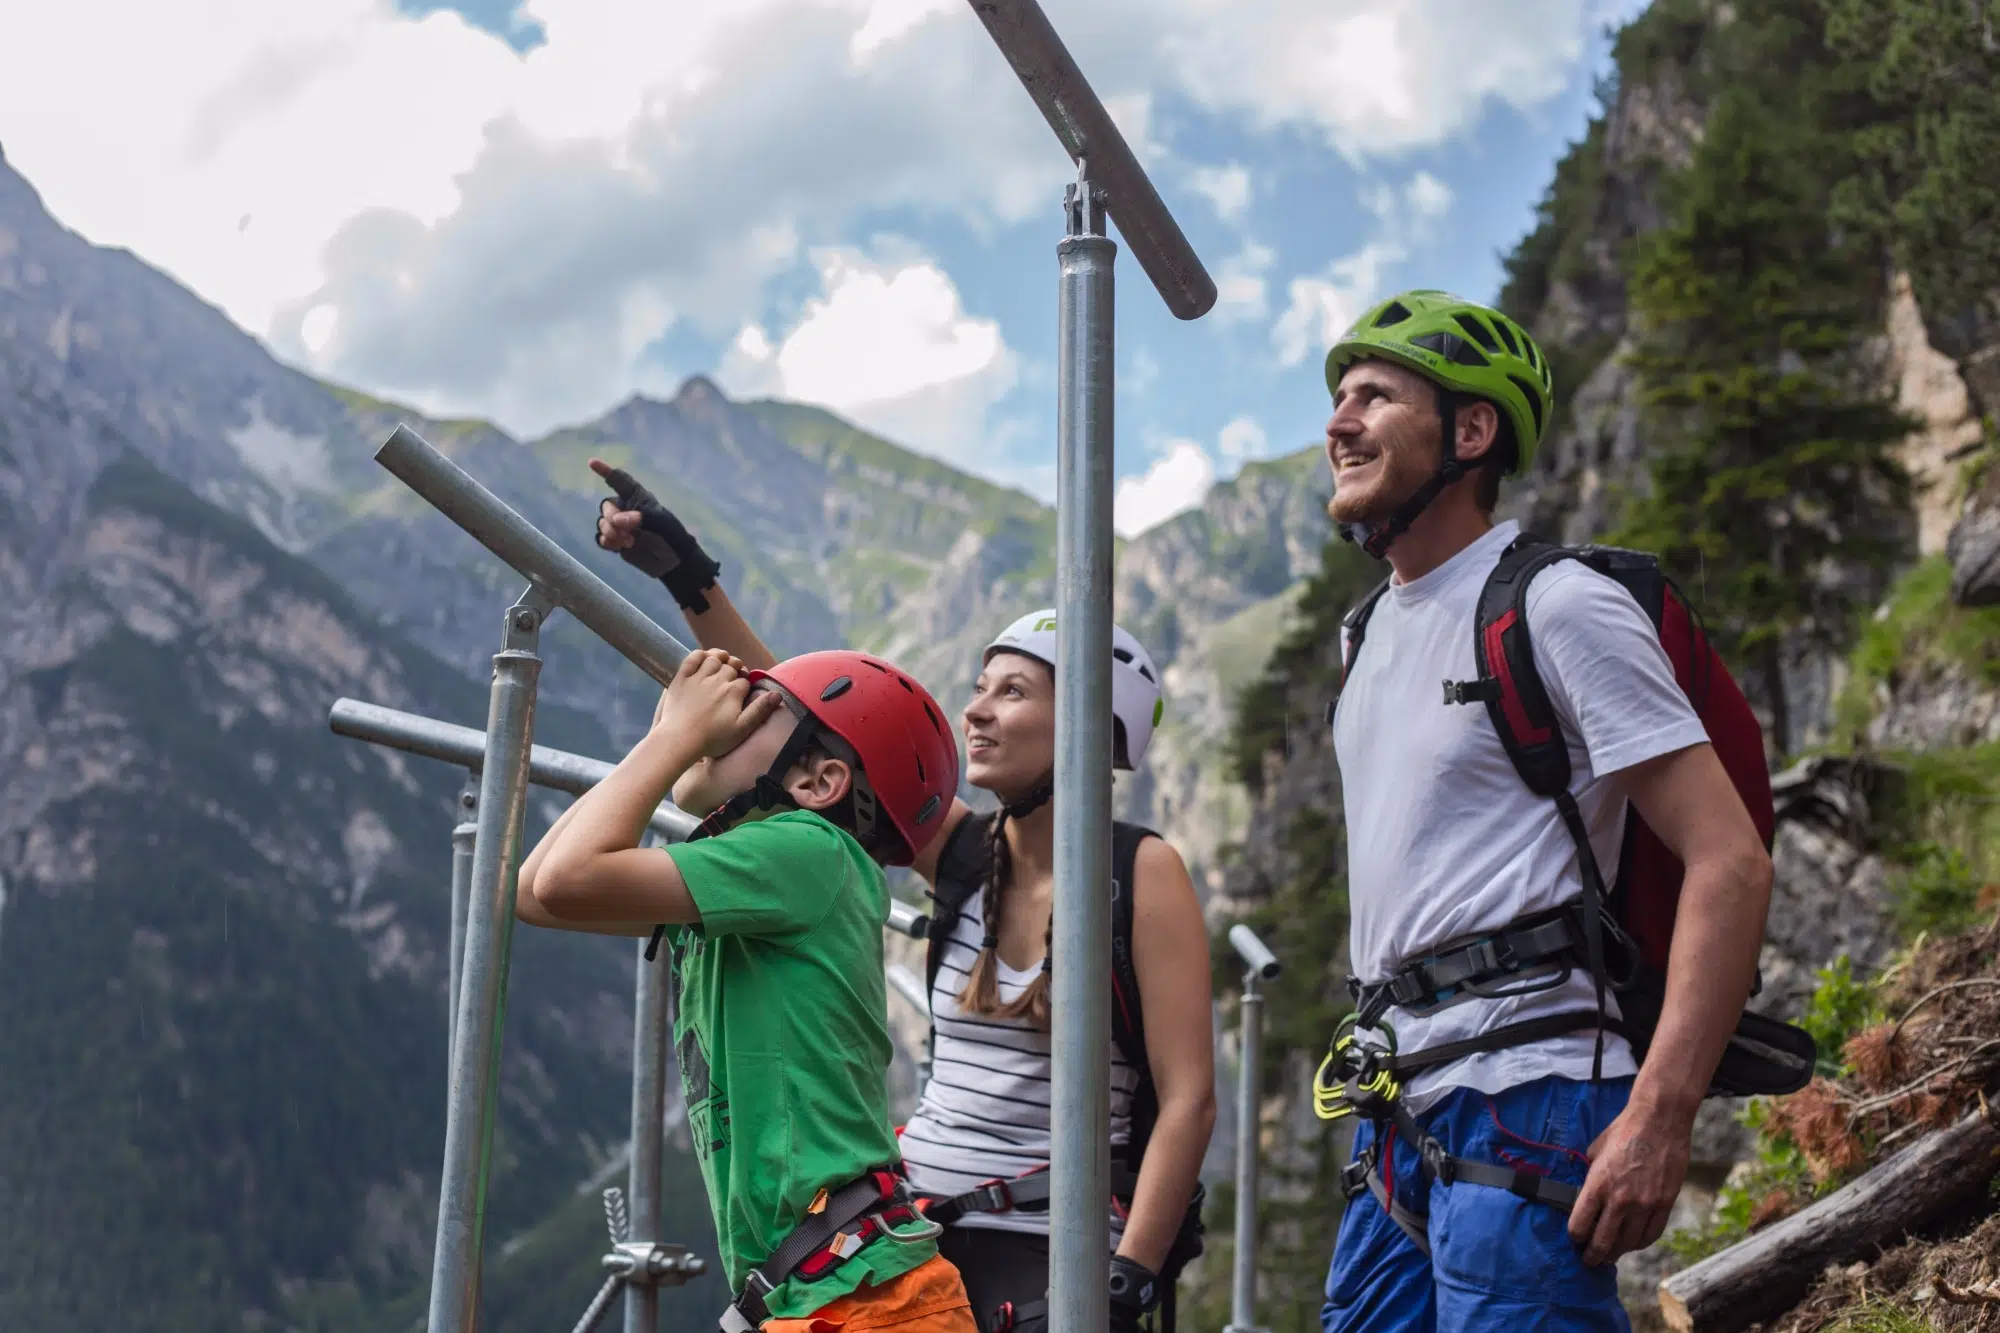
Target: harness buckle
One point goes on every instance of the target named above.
(993, 1196)
(1437, 1161)
(1411, 986)
(1494, 954)
(931, 1230)
(1354, 1176)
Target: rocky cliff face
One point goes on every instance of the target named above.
(1834, 858)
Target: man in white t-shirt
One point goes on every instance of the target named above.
(1435, 399)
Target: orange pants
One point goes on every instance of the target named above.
(930, 1298)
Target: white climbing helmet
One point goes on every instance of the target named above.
(1136, 705)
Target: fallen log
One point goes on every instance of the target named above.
(1769, 1272)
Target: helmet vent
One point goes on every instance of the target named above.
(936, 725)
(1507, 336)
(1392, 314)
(929, 809)
(1122, 654)
(904, 681)
(836, 689)
(920, 769)
(1480, 333)
(1452, 347)
(1533, 393)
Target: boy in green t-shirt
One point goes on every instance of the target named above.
(811, 776)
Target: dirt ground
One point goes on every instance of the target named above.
(1934, 1060)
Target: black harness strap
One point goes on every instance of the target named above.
(1438, 1165)
(871, 1199)
(1028, 1194)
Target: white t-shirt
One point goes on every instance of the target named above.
(1444, 839)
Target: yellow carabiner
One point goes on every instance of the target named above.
(1331, 1100)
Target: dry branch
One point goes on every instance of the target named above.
(1768, 1273)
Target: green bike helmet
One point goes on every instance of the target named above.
(1468, 350)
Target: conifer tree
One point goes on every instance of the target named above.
(1770, 433)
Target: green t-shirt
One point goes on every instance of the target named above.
(783, 1040)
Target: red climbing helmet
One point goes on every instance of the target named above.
(894, 727)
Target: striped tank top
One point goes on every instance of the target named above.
(985, 1111)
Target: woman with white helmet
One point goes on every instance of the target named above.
(977, 1145)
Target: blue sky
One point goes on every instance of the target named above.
(531, 211)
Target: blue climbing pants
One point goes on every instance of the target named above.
(1497, 1261)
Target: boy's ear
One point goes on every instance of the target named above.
(820, 781)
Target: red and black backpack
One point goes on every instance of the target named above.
(1640, 904)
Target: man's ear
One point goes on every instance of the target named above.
(820, 782)
(1478, 430)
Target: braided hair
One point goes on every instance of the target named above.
(981, 995)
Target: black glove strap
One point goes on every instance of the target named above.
(1134, 1286)
(663, 548)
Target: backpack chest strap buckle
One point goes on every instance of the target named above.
(1471, 691)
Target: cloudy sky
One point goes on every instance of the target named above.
(529, 213)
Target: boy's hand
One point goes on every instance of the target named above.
(648, 536)
(710, 703)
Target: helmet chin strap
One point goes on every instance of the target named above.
(1036, 798)
(1376, 541)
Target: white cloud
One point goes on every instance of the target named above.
(1321, 309)
(1240, 289)
(1175, 483)
(411, 205)
(1241, 441)
(1182, 473)
(1322, 306)
(1429, 198)
(1366, 73)
(1227, 188)
(888, 343)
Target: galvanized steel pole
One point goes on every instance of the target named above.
(1259, 966)
(1108, 176)
(1080, 1131)
(561, 576)
(649, 1115)
(413, 733)
(1066, 100)
(475, 1051)
(463, 836)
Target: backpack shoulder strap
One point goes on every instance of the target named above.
(961, 872)
(1354, 628)
(1509, 684)
(1128, 1022)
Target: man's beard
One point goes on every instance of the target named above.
(1401, 470)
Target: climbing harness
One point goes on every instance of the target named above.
(1361, 1077)
(878, 1201)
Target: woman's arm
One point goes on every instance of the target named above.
(1169, 950)
(723, 626)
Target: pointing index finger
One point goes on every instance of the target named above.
(619, 480)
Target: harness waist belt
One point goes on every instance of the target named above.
(1555, 938)
(878, 1200)
(1028, 1193)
